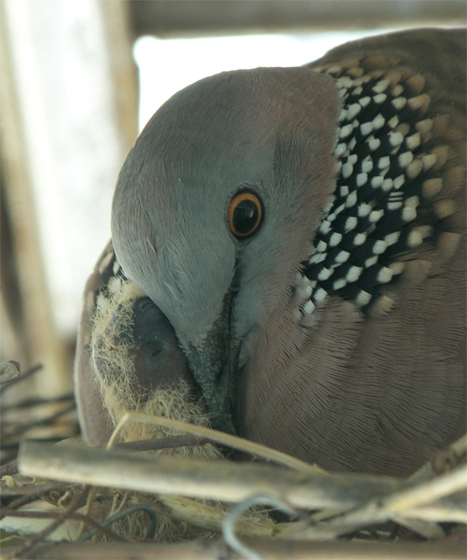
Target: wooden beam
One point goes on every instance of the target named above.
(272, 550)
(220, 17)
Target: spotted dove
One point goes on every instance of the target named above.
(296, 238)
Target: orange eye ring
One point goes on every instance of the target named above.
(244, 214)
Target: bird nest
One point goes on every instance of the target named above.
(152, 499)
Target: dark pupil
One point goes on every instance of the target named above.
(245, 217)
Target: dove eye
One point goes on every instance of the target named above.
(244, 214)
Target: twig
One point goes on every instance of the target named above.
(96, 527)
(32, 495)
(21, 378)
(76, 502)
(270, 549)
(32, 489)
(213, 479)
(9, 371)
(16, 444)
(189, 440)
(89, 501)
(215, 436)
(41, 422)
(37, 401)
(452, 508)
(399, 507)
(428, 471)
(429, 491)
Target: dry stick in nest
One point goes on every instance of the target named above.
(38, 401)
(144, 445)
(215, 436)
(444, 461)
(59, 516)
(228, 440)
(225, 439)
(21, 377)
(414, 516)
(214, 479)
(272, 550)
(411, 496)
(9, 371)
(29, 493)
(76, 503)
(42, 421)
(405, 507)
(203, 479)
(455, 453)
(10, 439)
(417, 516)
(169, 442)
(209, 435)
(420, 503)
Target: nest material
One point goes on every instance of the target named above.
(320, 507)
(196, 494)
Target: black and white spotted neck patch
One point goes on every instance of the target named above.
(380, 208)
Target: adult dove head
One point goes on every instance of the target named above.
(215, 210)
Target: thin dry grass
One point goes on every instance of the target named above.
(216, 506)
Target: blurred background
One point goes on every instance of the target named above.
(79, 79)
